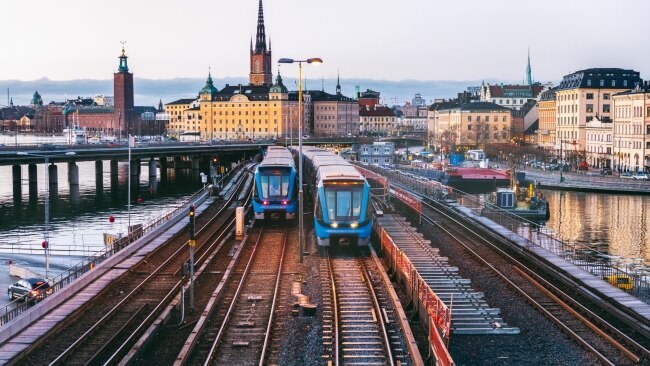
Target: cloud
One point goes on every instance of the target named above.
(149, 91)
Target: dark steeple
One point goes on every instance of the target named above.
(260, 58)
(260, 42)
(160, 105)
(338, 84)
(529, 74)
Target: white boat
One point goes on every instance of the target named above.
(75, 134)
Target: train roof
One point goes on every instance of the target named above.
(277, 156)
(331, 166)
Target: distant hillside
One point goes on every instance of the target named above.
(149, 91)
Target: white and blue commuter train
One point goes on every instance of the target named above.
(342, 214)
(275, 194)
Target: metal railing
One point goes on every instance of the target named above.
(633, 278)
(15, 308)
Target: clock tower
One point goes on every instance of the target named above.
(260, 73)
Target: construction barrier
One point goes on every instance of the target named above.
(411, 202)
(374, 176)
(439, 314)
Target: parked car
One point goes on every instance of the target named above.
(606, 171)
(640, 176)
(626, 175)
(30, 289)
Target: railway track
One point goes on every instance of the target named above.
(104, 328)
(359, 326)
(605, 341)
(242, 326)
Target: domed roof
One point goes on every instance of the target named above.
(36, 99)
(209, 87)
(278, 87)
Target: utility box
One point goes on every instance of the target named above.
(239, 223)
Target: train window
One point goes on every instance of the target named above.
(275, 186)
(285, 185)
(343, 204)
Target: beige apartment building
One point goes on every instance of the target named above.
(583, 96)
(473, 124)
(334, 114)
(599, 143)
(631, 130)
(547, 119)
(177, 122)
(376, 120)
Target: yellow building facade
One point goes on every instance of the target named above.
(547, 120)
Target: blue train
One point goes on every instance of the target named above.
(342, 214)
(275, 195)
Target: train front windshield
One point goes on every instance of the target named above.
(274, 183)
(344, 202)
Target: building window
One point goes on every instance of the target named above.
(469, 118)
(590, 118)
(588, 82)
(590, 108)
(469, 127)
(605, 108)
(624, 83)
(606, 96)
(602, 82)
(590, 95)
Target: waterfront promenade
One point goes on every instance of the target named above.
(586, 182)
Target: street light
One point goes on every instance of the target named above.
(46, 241)
(314, 60)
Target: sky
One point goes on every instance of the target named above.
(361, 39)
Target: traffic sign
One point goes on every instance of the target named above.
(192, 243)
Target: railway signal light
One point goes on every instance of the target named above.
(192, 216)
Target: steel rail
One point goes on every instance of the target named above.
(579, 316)
(336, 310)
(129, 296)
(530, 300)
(172, 293)
(375, 301)
(207, 254)
(275, 296)
(224, 324)
(593, 318)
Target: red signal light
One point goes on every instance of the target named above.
(265, 203)
(285, 202)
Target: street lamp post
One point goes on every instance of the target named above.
(300, 192)
(46, 236)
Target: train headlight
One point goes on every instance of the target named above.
(334, 225)
(354, 225)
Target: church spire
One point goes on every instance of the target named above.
(529, 75)
(260, 58)
(338, 83)
(260, 41)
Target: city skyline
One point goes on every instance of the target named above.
(361, 40)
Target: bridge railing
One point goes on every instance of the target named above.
(15, 308)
